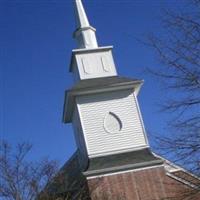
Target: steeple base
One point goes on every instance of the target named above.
(148, 178)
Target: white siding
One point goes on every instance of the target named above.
(94, 108)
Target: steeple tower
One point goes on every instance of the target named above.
(84, 34)
(102, 106)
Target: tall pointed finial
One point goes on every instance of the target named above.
(81, 17)
(84, 34)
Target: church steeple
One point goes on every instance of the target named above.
(84, 33)
(102, 106)
(112, 147)
(89, 60)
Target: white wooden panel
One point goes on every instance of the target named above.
(105, 64)
(93, 110)
(95, 64)
(86, 66)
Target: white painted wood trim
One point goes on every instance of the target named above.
(141, 120)
(182, 181)
(178, 168)
(83, 131)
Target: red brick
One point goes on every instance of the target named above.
(146, 184)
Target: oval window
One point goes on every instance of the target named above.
(112, 123)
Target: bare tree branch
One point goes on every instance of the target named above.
(179, 54)
(21, 179)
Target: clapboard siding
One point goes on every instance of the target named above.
(94, 108)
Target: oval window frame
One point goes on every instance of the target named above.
(118, 120)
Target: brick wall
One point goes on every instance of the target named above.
(148, 184)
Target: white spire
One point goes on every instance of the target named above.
(81, 17)
(84, 34)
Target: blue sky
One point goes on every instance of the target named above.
(36, 43)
